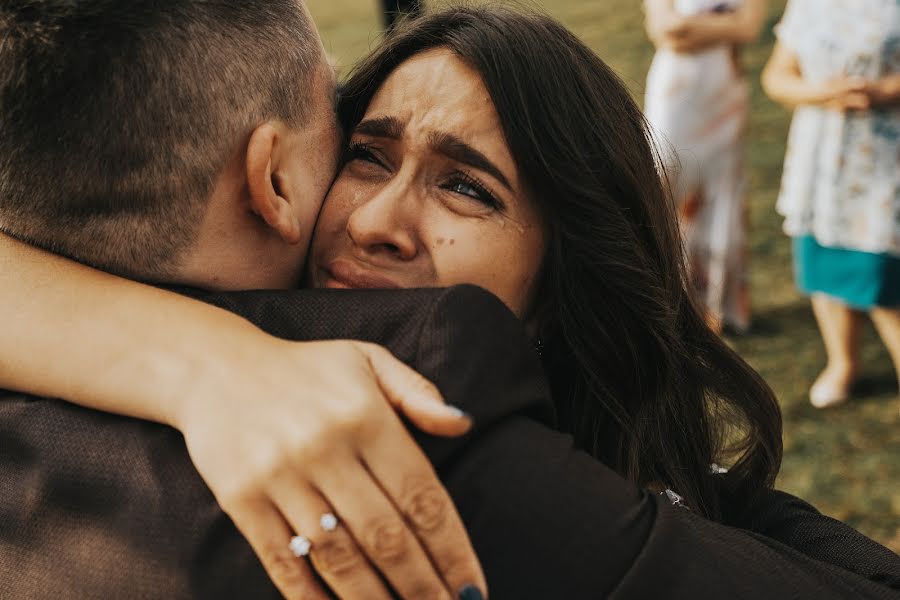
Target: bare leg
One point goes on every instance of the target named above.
(887, 322)
(839, 325)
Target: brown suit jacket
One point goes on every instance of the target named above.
(98, 506)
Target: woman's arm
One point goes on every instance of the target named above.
(694, 33)
(98, 340)
(660, 17)
(266, 444)
(783, 81)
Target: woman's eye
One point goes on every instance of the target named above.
(362, 152)
(466, 190)
(468, 187)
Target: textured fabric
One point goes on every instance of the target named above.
(862, 280)
(697, 104)
(97, 506)
(841, 179)
(793, 522)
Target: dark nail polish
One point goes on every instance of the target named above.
(470, 592)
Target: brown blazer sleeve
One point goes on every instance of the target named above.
(98, 506)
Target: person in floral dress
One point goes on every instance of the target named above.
(837, 63)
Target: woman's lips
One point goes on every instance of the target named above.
(345, 274)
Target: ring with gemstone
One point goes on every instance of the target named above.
(328, 522)
(300, 546)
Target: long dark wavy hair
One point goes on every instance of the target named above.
(638, 378)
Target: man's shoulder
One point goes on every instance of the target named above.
(397, 319)
(462, 338)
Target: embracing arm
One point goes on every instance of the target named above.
(667, 28)
(95, 339)
(547, 520)
(264, 442)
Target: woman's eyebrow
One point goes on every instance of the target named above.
(381, 127)
(440, 141)
(455, 149)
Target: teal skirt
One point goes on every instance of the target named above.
(859, 279)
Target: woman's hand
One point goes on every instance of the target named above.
(846, 94)
(687, 35)
(783, 81)
(295, 431)
(670, 29)
(885, 92)
(694, 33)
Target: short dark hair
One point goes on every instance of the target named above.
(638, 378)
(117, 116)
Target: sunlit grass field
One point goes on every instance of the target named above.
(845, 460)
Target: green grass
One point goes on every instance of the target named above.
(845, 460)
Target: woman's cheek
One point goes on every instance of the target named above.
(339, 205)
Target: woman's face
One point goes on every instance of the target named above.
(430, 196)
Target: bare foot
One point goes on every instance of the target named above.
(832, 387)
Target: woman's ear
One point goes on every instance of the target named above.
(264, 185)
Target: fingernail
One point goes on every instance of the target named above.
(470, 592)
(458, 412)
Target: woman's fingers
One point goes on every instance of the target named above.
(383, 533)
(413, 395)
(270, 536)
(332, 550)
(248, 450)
(408, 478)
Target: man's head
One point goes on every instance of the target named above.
(183, 141)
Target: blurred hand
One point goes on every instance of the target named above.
(293, 431)
(682, 34)
(847, 94)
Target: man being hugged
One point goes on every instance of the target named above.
(192, 143)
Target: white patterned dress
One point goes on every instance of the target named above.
(841, 181)
(697, 106)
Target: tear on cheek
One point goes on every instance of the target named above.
(502, 220)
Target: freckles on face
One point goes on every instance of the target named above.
(431, 195)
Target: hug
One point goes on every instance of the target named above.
(432, 340)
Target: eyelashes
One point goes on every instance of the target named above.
(360, 151)
(458, 182)
(479, 192)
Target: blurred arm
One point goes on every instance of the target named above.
(659, 17)
(783, 81)
(694, 33)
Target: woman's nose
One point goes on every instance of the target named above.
(386, 222)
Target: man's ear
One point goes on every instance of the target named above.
(265, 186)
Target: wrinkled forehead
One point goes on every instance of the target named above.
(436, 90)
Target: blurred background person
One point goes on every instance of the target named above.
(393, 10)
(696, 100)
(837, 63)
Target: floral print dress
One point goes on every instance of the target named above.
(842, 170)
